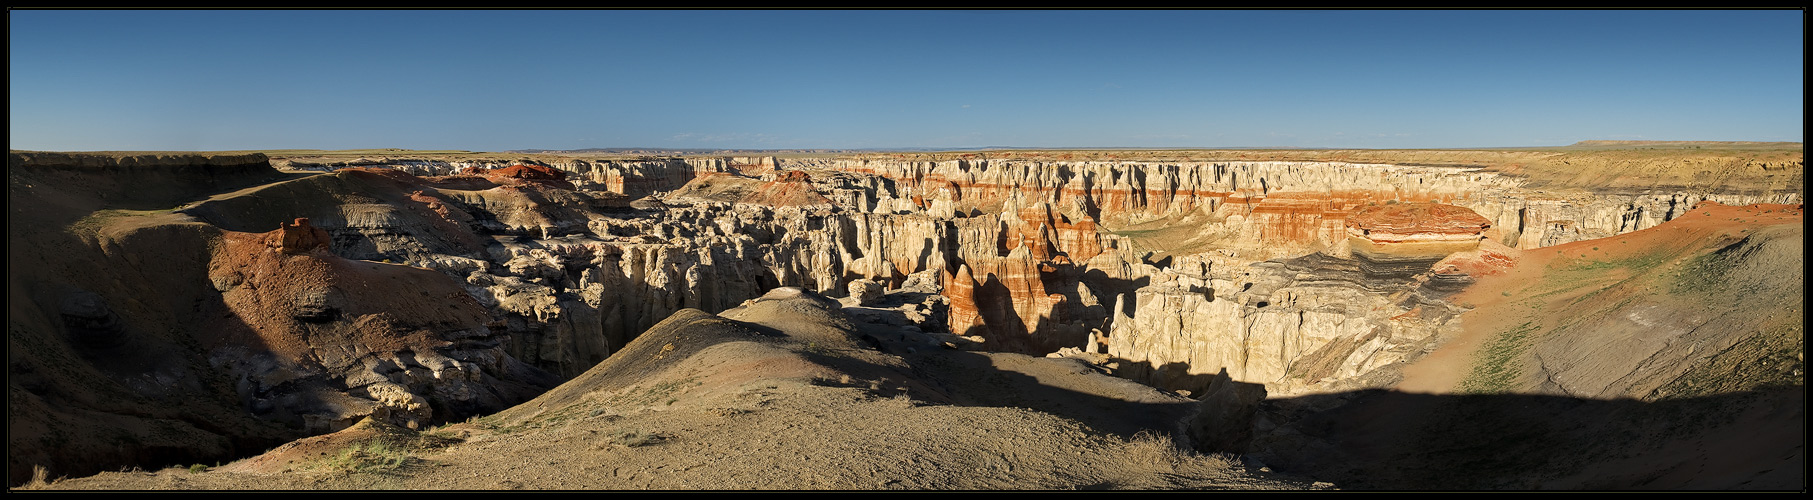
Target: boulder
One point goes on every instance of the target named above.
(865, 292)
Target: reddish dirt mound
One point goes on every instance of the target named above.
(523, 174)
(791, 189)
(794, 176)
(286, 291)
(1491, 258)
(530, 172)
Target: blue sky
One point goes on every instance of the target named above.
(500, 80)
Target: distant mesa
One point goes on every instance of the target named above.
(128, 159)
(1602, 143)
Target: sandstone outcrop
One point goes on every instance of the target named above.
(320, 342)
(300, 238)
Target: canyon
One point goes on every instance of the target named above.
(1279, 308)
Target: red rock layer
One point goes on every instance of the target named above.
(1011, 303)
(1050, 234)
(1299, 218)
(965, 315)
(1416, 221)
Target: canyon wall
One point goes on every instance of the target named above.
(1175, 269)
(1179, 270)
(1040, 255)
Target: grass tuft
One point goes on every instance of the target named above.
(40, 479)
(1153, 448)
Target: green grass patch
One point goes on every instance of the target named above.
(1637, 264)
(1695, 276)
(1497, 363)
(390, 453)
(377, 456)
(1601, 274)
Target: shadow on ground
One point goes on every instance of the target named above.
(1392, 440)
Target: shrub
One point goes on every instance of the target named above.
(1153, 448)
(375, 456)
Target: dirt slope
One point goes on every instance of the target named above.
(778, 394)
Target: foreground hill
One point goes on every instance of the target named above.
(779, 393)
